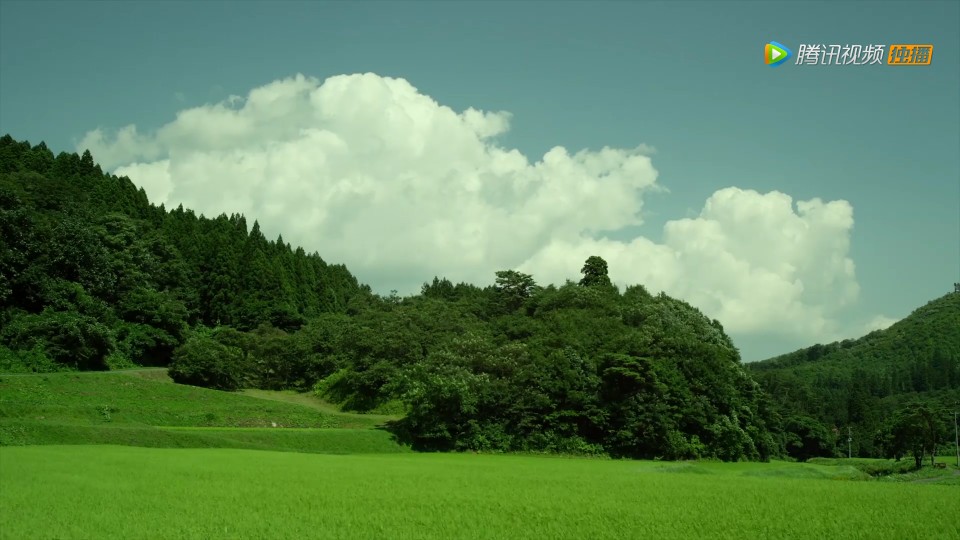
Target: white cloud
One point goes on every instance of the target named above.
(372, 173)
(880, 322)
(748, 259)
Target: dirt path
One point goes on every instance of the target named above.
(314, 403)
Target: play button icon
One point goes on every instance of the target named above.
(775, 54)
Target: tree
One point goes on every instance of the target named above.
(279, 360)
(87, 166)
(444, 399)
(158, 309)
(595, 272)
(807, 438)
(514, 288)
(203, 361)
(440, 288)
(916, 429)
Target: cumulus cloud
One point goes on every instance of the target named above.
(749, 259)
(372, 173)
(880, 322)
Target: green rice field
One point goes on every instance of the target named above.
(124, 492)
(131, 455)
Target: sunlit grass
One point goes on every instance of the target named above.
(119, 492)
(114, 398)
(314, 402)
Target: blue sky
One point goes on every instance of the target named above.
(685, 78)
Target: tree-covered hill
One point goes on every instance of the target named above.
(92, 273)
(93, 276)
(861, 384)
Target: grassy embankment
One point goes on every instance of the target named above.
(142, 408)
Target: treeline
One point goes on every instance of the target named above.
(866, 387)
(578, 368)
(93, 276)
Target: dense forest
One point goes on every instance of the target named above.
(865, 387)
(93, 276)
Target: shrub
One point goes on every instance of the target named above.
(27, 361)
(67, 338)
(203, 361)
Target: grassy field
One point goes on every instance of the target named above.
(904, 470)
(315, 440)
(130, 455)
(123, 492)
(143, 408)
(145, 399)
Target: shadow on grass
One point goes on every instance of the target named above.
(402, 433)
(399, 433)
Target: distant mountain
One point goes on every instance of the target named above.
(858, 383)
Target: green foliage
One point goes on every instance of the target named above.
(204, 361)
(279, 359)
(581, 369)
(916, 429)
(862, 384)
(595, 273)
(77, 242)
(151, 345)
(807, 438)
(514, 288)
(117, 361)
(33, 360)
(68, 338)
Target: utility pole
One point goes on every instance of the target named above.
(849, 443)
(956, 433)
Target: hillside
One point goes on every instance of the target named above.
(94, 277)
(859, 383)
(130, 409)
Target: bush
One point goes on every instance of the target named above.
(145, 345)
(119, 361)
(203, 361)
(28, 361)
(68, 338)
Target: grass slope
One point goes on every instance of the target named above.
(98, 398)
(130, 493)
(142, 408)
(314, 402)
